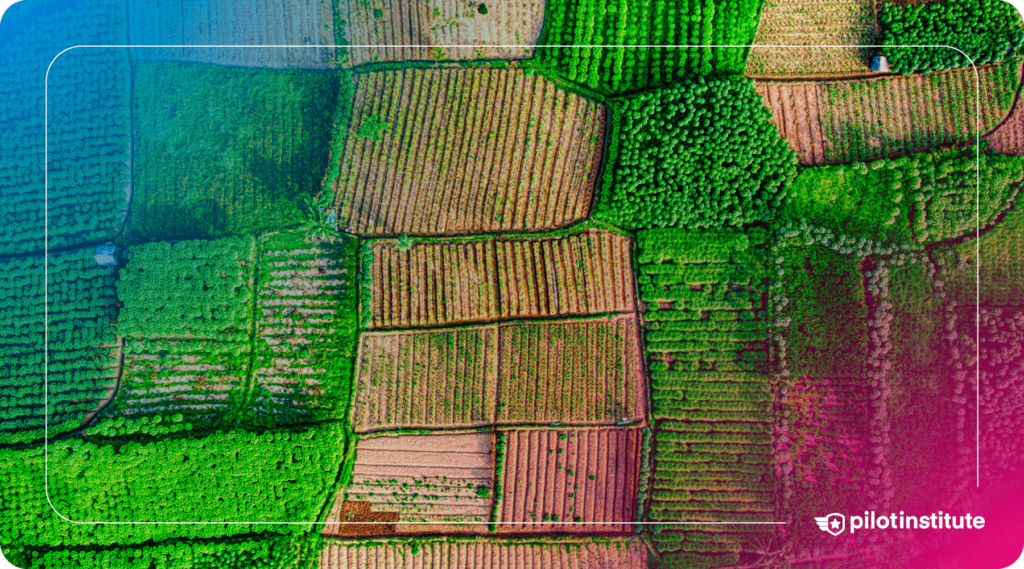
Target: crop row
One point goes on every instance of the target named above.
(80, 349)
(433, 283)
(435, 151)
(576, 372)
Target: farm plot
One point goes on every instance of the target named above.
(306, 327)
(572, 372)
(230, 22)
(1008, 137)
(426, 379)
(226, 151)
(1002, 265)
(417, 480)
(435, 151)
(486, 553)
(81, 368)
(186, 316)
(706, 336)
(812, 23)
(426, 29)
(556, 476)
(448, 282)
(844, 121)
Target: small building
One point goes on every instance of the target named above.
(879, 64)
(105, 255)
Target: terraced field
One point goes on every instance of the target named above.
(479, 553)
(455, 151)
(843, 121)
(419, 481)
(449, 282)
(556, 476)
(422, 28)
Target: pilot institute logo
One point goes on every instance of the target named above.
(833, 523)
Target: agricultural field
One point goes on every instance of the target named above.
(186, 332)
(465, 150)
(434, 283)
(831, 122)
(706, 335)
(616, 70)
(417, 484)
(426, 379)
(485, 553)
(812, 23)
(229, 22)
(83, 348)
(226, 151)
(1008, 137)
(1001, 269)
(555, 476)
(306, 326)
(426, 31)
(586, 372)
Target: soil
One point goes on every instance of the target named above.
(378, 523)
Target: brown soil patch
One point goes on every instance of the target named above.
(354, 511)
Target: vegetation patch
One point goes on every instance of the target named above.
(698, 155)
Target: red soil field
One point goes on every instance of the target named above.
(1008, 137)
(464, 151)
(421, 478)
(487, 553)
(570, 475)
(437, 283)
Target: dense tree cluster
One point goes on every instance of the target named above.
(698, 155)
(985, 31)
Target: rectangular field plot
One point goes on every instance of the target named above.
(427, 379)
(228, 22)
(456, 151)
(812, 22)
(305, 326)
(417, 478)
(422, 27)
(200, 379)
(438, 283)
(569, 475)
(842, 121)
(574, 372)
(585, 372)
(486, 553)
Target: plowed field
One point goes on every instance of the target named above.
(421, 478)
(435, 151)
(428, 23)
(844, 121)
(1008, 138)
(812, 22)
(571, 372)
(432, 284)
(574, 475)
(574, 372)
(442, 553)
(426, 379)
